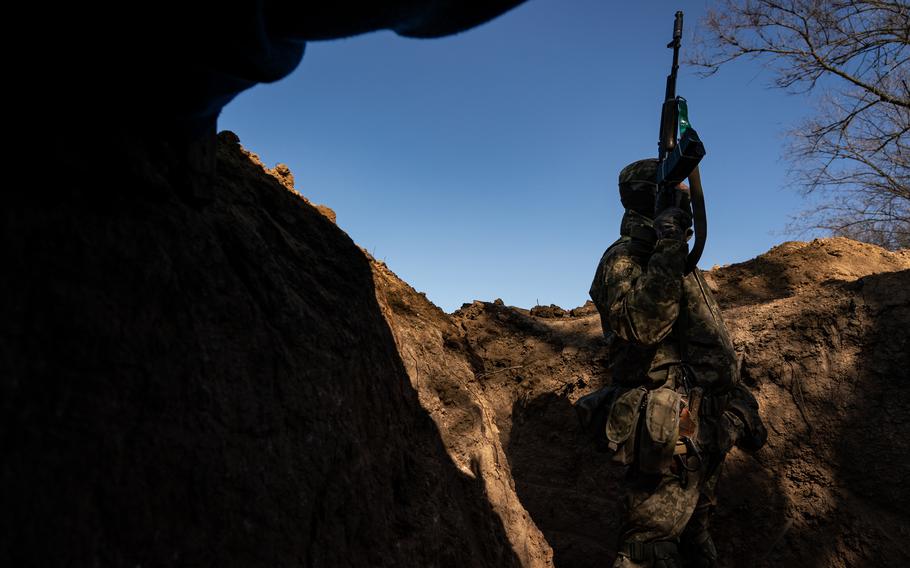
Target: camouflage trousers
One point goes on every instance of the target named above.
(661, 510)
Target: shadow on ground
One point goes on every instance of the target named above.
(210, 381)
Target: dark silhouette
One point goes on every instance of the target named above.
(193, 366)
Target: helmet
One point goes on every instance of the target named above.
(637, 186)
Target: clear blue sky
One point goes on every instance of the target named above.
(484, 165)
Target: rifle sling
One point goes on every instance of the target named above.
(697, 197)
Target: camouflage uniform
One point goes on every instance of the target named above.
(658, 320)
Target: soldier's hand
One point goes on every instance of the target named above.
(754, 434)
(673, 223)
(683, 197)
(758, 435)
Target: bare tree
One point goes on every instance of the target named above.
(854, 153)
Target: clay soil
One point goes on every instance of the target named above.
(821, 329)
(229, 380)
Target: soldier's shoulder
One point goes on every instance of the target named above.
(623, 265)
(619, 262)
(619, 250)
(620, 247)
(616, 265)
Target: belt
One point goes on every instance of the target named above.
(648, 551)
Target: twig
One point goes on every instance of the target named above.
(482, 375)
(776, 541)
(416, 369)
(801, 400)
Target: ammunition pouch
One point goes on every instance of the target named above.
(643, 427)
(660, 431)
(622, 423)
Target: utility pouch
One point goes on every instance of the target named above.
(660, 431)
(623, 420)
(593, 410)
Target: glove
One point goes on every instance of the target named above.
(754, 434)
(642, 242)
(673, 223)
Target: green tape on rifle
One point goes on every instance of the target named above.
(683, 116)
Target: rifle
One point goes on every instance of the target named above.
(679, 154)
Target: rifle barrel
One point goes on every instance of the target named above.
(675, 43)
(669, 116)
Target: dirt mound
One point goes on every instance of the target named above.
(280, 172)
(821, 328)
(534, 368)
(448, 375)
(209, 380)
(225, 378)
(828, 354)
(796, 267)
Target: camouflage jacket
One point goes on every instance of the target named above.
(641, 297)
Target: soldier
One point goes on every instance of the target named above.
(681, 406)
